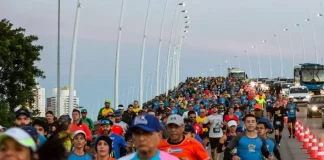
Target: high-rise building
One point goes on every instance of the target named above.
(64, 104)
(39, 100)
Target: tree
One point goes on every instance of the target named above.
(18, 71)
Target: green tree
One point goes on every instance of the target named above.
(18, 71)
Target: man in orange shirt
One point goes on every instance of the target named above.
(77, 124)
(180, 146)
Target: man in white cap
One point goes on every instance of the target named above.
(179, 145)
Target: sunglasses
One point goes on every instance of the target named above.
(103, 122)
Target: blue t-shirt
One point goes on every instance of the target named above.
(117, 142)
(270, 145)
(292, 110)
(249, 148)
(174, 110)
(197, 108)
(76, 157)
(222, 100)
(199, 139)
(239, 114)
(42, 140)
(156, 105)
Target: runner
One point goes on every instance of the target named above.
(291, 112)
(227, 138)
(269, 105)
(146, 135)
(278, 121)
(50, 122)
(79, 143)
(103, 148)
(118, 141)
(202, 121)
(180, 146)
(263, 129)
(85, 119)
(103, 112)
(190, 133)
(249, 145)
(215, 131)
(77, 124)
(129, 115)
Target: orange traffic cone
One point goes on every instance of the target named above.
(301, 135)
(309, 143)
(297, 130)
(306, 138)
(314, 148)
(320, 152)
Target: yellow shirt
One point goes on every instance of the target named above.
(105, 111)
(136, 110)
(68, 142)
(202, 121)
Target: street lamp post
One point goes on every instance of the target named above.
(159, 52)
(260, 74)
(73, 55)
(168, 80)
(248, 56)
(238, 61)
(142, 57)
(270, 63)
(130, 87)
(302, 39)
(291, 46)
(314, 38)
(229, 63)
(275, 35)
(58, 93)
(117, 56)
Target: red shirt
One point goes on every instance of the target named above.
(81, 126)
(114, 129)
(206, 92)
(233, 117)
(198, 129)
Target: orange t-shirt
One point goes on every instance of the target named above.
(188, 148)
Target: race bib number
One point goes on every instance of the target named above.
(278, 123)
(292, 111)
(216, 130)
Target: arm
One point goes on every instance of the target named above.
(100, 117)
(276, 152)
(264, 148)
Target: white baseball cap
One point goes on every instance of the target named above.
(20, 136)
(231, 123)
(79, 132)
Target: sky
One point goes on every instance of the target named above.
(219, 31)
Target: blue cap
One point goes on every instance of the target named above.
(31, 131)
(22, 111)
(146, 122)
(117, 113)
(106, 122)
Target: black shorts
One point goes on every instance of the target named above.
(269, 109)
(213, 142)
(204, 135)
(292, 120)
(278, 125)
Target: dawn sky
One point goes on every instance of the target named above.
(219, 31)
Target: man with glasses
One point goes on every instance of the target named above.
(180, 146)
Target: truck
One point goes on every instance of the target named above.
(236, 73)
(310, 75)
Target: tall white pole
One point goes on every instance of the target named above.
(175, 56)
(279, 49)
(302, 39)
(270, 63)
(291, 46)
(58, 93)
(168, 80)
(159, 52)
(117, 56)
(73, 55)
(147, 80)
(238, 61)
(133, 96)
(151, 93)
(142, 57)
(248, 56)
(314, 38)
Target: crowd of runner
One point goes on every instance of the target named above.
(202, 119)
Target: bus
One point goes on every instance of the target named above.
(309, 75)
(236, 73)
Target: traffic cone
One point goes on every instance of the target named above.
(285, 119)
(320, 152)
(314, 148)
(297, 130)
(309, 143)
(301, 135)
(306, 138)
